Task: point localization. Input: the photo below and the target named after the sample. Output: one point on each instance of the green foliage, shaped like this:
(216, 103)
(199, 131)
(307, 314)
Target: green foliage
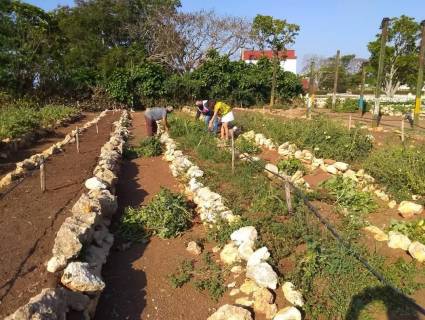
(414, 230)
(349, 197)
(20, 118)
(400, 170)
(182, 275)
(167, 215)
(246, 146)
(290, 166)
(327, 138)
(148, 147)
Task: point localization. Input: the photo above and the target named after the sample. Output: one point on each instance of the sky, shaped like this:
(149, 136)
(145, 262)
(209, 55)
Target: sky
(326, 25)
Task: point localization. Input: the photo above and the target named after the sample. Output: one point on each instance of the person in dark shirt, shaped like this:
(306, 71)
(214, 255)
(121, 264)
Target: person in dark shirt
(152, 115)
(202, 107)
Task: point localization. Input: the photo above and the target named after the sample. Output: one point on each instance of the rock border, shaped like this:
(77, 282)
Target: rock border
(83, 241)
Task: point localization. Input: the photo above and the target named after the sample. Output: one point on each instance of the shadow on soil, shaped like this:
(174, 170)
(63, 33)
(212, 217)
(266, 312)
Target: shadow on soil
(124, 296)
(397, 306)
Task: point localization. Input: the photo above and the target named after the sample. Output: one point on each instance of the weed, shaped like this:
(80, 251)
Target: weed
(415, 230)
(183, 274)
(167, 215)
(290, 166)
(246, 146)
(131, 226)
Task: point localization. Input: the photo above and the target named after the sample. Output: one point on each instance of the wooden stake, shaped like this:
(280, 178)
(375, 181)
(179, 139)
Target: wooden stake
(402, 130)
(288, 197)
(77, 139)
(97, 129)
(233, 152)
(42, 176)
(349, 122)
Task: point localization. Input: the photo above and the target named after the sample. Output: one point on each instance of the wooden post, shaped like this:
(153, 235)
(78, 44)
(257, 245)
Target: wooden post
(288, 197)
(233, 152)
(349, 122)
(42, 176)
(97, 129)
(402, 130)
(77, 139)
(420, 82)
(335, 80)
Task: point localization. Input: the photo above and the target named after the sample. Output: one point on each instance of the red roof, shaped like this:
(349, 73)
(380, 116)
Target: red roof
(257, 54)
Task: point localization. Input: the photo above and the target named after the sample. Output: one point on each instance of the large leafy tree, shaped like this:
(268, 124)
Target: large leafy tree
(276, 35)
(401, 54)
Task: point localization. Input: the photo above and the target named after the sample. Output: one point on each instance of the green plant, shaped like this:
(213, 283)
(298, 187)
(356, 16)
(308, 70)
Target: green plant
(290, 166)
(245, 145)
(348, 105)
(348, 196)
(182, 275)
(400, 170)
(167, 215)
(415, 230)
(148, 147)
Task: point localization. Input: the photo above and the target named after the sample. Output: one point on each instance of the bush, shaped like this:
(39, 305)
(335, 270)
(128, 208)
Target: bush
(349, 105)
(401, 170)
(167, 215)
(290, 166)
(247, 146)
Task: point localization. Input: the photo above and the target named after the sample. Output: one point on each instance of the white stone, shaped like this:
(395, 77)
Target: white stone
(298, 154)
(263, 274)
(229, 312)
(95, 184)
(229, 254)
(331, 169)
(398, 241)
(417, 251)
(246, 249)
(244, 234)
(379, 235)
(194, 248)
(288, 313)
(292, 295)
(78, 276)
(271, 167)
(259, 256)
(392, 204)
(408, 209)
(350, 174)
(56, 263)
(341, 166)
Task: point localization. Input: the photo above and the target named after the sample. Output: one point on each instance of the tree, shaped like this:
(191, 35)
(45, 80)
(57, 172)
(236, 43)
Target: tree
(401, 54)
(277, 35)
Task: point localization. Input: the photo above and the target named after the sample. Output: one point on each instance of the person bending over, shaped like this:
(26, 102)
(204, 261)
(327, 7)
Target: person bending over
(224, 112)
(152, 115)
(203, 108)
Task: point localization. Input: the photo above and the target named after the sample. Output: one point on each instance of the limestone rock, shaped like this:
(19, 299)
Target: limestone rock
(234, 292)
(271, 167)
(229, 312)
(51, 304)
(94, 183)
(244, 301)
(263, 274)
(398, 241)
(350, 174)
(392, 204)
(108, 202)
(379, 235)
(56, 263)
(229, 254)
(417, 251)
(331, 169)
(263, 298)
(341, 166)
(249, 286)
(259, 256)
(408, 209)
(246, 250)
(292, 295)
(244, 234)
(194, 248)
(288, 313)
(78, 276)
(236, 269)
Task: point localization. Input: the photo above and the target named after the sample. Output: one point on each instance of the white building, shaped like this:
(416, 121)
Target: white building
(288, 59)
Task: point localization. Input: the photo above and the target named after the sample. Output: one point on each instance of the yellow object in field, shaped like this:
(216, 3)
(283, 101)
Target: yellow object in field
(418, 105)
(222, 108)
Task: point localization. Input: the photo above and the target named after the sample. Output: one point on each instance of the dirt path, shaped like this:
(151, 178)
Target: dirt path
(30, 219)
(43, 143)
(136, 279)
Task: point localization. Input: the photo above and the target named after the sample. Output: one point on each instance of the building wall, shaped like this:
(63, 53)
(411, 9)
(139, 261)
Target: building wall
(287, 65)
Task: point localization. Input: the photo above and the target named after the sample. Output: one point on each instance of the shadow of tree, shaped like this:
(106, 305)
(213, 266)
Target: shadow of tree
(398, 307)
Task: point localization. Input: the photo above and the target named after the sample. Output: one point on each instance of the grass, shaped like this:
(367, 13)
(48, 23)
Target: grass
(19, 119)
(401, 170)
(325, 137)
(335, 284)
(167, 216)
(244, 145)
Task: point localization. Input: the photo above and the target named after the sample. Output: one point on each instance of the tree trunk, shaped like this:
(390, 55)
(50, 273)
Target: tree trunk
(272, 95)
(391, 87)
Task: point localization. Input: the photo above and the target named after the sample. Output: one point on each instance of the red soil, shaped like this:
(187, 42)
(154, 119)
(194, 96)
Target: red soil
(30, 219)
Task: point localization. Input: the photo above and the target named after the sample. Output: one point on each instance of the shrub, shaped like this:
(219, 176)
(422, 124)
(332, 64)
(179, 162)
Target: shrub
(182, 275)
(401, 170)
(348, 196)
(290, 166)
(247, 146)
(349, 105)
(167, 215)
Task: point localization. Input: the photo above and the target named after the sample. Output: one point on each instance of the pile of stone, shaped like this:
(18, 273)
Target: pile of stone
(256, 292)
(83, 241)
(33, 162)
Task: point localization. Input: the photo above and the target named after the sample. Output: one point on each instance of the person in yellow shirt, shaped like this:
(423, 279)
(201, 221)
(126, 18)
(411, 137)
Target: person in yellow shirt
(224, 112)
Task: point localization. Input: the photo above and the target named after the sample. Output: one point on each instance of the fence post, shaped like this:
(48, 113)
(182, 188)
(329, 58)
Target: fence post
(288, 197)
(42, 175)
(349, 122)
(402, 129)
(233, 151)
(77, 139)
(335, 80)
(97, 129)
